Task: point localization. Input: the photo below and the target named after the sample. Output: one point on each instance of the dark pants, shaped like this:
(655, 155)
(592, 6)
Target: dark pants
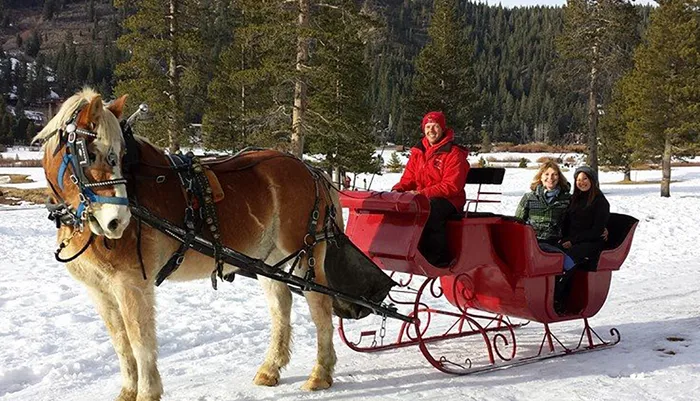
(585, 256)
(433, 241)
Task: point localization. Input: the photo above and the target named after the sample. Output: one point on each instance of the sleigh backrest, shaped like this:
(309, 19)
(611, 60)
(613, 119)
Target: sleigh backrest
(485, 176)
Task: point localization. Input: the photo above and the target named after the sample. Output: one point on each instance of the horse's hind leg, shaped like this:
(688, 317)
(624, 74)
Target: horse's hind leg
(321, 308)
(109, 310)
(136, 302)
(279, 302)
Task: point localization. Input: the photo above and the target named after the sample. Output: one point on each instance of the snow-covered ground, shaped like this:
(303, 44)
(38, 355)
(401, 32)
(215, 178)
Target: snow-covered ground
(22, 153)
(53, 345)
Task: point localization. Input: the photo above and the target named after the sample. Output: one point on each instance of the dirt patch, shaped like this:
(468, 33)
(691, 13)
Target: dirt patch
(17, 179)
(656, 182)
(14, 196)
(4, 162)
(537, 147)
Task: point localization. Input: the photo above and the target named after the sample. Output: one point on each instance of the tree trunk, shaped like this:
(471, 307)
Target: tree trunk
(173, 81)
(666, 168)
(299, 110)
(593, 114)
(243, 65)
(628, 173)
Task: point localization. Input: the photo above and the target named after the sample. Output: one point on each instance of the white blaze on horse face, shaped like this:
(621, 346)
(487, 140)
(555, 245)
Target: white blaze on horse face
(111, 220)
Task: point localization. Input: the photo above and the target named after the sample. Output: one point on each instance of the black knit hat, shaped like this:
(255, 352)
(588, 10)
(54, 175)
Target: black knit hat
(589, 172)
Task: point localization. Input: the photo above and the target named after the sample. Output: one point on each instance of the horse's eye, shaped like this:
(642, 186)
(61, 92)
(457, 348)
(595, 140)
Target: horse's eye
(92, 157)
(112, 159)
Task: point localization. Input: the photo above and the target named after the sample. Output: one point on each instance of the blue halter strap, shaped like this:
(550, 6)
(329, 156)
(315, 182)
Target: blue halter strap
(70, 159)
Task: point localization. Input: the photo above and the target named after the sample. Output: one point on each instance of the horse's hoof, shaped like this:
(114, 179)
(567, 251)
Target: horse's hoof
(266, 379)
(148, 398)
(317, 383)
(126, 395)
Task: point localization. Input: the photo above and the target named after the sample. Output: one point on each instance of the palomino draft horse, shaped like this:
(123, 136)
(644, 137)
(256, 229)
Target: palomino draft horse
(267, 200)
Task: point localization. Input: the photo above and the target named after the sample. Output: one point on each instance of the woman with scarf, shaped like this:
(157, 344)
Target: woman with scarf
(544, 206)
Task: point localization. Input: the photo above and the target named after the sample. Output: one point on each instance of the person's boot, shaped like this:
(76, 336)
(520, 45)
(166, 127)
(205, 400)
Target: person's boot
(562, 288)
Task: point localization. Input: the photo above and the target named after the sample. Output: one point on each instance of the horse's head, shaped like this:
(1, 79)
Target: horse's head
(83, 149)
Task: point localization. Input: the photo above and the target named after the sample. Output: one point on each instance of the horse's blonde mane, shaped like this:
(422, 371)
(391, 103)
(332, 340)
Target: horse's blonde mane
(108, 130)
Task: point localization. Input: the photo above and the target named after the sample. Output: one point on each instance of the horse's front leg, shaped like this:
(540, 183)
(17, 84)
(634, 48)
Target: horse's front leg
(321, 308)
(136, 302)
(279, 302)
(108, 308)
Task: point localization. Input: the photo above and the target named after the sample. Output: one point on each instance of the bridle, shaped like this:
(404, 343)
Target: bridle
(75, 160)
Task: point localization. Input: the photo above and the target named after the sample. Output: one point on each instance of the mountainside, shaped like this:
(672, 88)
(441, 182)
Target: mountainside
(514, 59)
(88, 22)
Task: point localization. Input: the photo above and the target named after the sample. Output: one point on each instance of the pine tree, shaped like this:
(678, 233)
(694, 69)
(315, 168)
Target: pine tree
(486, 146)
(595, 45)
(33, 44)
(255, 93)
(50, 8)
(5, 123)
(663, 91)
(250, 96)
(91, 10)
(37, 85)
(338, 115)
(616, 148)
(444, 76)
(394, 165)
(165, 64)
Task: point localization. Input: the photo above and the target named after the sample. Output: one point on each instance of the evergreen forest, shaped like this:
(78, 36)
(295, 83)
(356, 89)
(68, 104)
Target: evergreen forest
(338, 77)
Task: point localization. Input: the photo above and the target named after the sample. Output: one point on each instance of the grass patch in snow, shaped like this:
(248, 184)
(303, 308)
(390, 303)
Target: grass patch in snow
(15, 196)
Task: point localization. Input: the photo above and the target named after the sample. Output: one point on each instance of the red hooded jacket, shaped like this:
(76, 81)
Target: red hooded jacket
(438, 171)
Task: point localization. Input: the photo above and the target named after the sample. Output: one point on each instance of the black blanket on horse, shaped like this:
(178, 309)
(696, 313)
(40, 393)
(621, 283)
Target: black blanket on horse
(350, 271)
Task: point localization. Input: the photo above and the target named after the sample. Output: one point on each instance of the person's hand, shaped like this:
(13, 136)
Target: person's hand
(414, 192)
(605, 234)
(566, 245)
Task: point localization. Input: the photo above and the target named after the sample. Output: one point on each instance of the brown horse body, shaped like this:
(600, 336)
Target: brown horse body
(268, 199)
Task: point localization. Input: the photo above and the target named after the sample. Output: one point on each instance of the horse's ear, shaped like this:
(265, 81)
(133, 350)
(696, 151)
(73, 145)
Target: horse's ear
(88, 115)
(117, 106)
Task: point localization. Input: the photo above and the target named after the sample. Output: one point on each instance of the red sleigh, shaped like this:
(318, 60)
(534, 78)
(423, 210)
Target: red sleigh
(500, 281)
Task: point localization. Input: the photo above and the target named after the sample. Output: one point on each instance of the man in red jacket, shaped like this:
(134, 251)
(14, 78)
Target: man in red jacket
(437, 168)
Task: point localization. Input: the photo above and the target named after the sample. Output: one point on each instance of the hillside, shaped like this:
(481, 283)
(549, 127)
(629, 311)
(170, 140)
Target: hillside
(73, 19)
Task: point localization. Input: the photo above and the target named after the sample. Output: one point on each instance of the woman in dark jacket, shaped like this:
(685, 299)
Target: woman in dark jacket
(583, 226)
(585, 220)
